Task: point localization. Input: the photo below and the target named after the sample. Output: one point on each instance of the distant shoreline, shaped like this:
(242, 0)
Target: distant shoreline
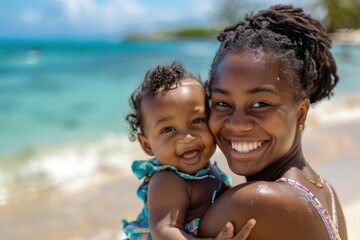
(346, 36)
(186, 33)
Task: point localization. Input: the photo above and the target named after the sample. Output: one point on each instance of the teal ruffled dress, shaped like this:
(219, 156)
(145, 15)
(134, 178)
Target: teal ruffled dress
(139, 229)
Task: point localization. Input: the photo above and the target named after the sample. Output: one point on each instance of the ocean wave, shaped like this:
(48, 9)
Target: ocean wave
(68, 167)
(73, 166)
(341, 109)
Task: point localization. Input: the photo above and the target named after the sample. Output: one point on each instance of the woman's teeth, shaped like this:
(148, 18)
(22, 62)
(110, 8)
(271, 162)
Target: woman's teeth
(245, 147)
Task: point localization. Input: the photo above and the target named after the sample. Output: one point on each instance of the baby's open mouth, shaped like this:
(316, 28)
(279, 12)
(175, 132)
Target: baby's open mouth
(190, 154)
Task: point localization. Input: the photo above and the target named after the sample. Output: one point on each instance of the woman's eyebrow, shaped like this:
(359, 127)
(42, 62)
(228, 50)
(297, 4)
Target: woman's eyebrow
(249, 91)
(261, 89)
(219, 90)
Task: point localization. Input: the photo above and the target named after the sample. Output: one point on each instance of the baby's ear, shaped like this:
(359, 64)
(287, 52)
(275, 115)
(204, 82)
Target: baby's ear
(145, 144)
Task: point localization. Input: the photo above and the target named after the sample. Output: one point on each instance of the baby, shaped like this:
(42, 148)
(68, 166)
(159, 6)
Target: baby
(169, 119)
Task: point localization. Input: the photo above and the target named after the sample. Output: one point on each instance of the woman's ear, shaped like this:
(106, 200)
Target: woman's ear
(145, 144)
(303, 109)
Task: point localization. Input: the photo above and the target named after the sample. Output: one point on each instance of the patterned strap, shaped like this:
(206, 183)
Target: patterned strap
(331, 227)
(333, 203)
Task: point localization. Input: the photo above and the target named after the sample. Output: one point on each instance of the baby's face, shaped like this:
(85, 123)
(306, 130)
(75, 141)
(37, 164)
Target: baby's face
(175, 127)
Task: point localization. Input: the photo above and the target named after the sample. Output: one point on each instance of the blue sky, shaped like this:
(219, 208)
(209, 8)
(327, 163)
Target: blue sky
(103, 18)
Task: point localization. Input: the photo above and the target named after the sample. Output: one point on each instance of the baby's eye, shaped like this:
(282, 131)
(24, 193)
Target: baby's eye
(197, 121)
(167, 130)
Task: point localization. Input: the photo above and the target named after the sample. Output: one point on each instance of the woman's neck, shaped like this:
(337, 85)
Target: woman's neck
(277, 169)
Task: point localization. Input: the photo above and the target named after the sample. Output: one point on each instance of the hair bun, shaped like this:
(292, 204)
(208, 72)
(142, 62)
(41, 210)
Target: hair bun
(292, 34)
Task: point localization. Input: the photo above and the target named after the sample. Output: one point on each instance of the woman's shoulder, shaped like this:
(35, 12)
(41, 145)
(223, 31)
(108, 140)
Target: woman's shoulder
(265, 193)
(266, 188)
(274, 205)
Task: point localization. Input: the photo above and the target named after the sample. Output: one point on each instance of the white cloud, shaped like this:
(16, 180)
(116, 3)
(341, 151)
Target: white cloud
(115, 15)
(183, 10)
(30, 17)
(109, 14)
(202, 8)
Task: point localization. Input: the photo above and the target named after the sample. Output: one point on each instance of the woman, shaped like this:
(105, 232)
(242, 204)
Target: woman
(267, 72)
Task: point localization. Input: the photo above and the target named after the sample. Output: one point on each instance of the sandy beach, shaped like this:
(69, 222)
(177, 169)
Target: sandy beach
(94, 212)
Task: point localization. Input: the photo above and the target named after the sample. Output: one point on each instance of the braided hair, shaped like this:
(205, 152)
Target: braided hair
(159, 79)
(292, 35)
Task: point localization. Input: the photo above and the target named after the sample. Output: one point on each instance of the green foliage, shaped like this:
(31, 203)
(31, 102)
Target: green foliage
(195, 32)
(181, 33)
(342, 14)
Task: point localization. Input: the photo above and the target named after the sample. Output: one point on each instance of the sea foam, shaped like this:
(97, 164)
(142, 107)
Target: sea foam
(68, 167)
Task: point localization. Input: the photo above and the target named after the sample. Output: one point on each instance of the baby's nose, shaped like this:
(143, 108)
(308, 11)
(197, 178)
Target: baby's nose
(187, 139)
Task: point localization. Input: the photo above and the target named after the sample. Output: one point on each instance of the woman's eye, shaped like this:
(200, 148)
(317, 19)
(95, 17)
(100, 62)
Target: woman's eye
(221, 104)
(259, 105)
(198, 120)
(167, 130)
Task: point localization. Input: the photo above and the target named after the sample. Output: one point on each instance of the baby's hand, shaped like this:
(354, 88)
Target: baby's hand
(228, 231)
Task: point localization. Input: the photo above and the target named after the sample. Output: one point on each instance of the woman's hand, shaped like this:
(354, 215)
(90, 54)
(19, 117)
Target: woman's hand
(227, 231)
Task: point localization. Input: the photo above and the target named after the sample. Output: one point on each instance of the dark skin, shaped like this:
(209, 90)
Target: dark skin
(255, 118)
(175, 130)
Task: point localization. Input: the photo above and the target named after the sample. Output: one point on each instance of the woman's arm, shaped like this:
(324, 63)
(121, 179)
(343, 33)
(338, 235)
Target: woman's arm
(281, 213)
(222, 211)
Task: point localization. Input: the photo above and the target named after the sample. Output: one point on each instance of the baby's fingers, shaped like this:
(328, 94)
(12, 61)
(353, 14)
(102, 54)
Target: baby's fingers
(226, 232)
(245, 230)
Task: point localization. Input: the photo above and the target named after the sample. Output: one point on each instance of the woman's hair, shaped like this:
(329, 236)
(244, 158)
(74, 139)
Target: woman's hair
(159, 79)
(296, 38)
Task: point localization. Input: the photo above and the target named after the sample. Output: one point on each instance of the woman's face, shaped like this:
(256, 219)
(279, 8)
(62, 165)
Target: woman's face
(253, 115)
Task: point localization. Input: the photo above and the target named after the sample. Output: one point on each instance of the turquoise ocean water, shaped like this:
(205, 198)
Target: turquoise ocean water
(57, 91)
(54, 92)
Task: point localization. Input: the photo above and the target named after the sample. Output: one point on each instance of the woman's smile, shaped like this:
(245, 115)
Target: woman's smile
(246, 147)
(245, 151)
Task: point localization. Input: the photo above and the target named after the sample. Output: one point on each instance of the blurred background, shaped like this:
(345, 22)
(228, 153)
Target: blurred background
(67, 69)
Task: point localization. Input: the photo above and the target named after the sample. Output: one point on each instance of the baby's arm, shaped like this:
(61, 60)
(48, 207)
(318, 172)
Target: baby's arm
(168, 202)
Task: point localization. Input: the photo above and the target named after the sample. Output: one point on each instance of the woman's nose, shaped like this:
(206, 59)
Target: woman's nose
(239, 121)
(188, 138)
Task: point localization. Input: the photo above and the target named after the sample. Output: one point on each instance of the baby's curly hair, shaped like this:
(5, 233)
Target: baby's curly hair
(159, 79)
(293, 36)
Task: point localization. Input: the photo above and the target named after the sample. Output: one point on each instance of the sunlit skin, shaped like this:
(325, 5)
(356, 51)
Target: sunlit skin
(175, 128)
(254, 118)
(255, 122)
